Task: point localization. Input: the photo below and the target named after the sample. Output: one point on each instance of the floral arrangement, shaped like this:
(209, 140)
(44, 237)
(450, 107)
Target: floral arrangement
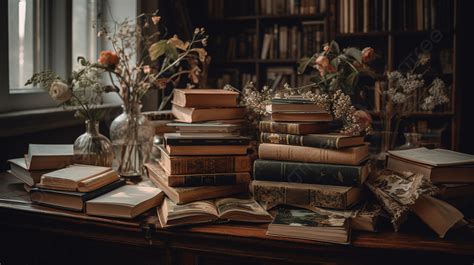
(336, 79)
(141, 58)
(406, 91)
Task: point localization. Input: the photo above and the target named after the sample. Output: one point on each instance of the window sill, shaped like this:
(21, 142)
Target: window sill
(30, 121)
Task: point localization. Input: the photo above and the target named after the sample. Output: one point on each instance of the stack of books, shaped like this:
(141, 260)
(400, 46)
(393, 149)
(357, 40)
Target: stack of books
(40, 159)
(207, 158)
(302, 164)
(452, 172)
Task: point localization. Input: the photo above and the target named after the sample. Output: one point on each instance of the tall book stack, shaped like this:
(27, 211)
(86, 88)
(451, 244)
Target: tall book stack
(302, 164)
(207, 157)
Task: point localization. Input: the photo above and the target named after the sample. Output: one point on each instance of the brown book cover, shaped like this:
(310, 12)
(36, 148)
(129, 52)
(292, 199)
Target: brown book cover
(190, 150)
(199, 98)
(49, 156)
(189, 194)
(185, 114)
(293, 127)
(270, 194)
(347, 156)
(326, 141)
(302, 116)
(178, 165)
(218, 179)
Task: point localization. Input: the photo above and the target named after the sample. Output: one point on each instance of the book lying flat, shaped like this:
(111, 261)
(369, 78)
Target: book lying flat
(347, 156)
(302, 116)
(49, 156)
(326, 141)
(127, 201)
(434, 157)
(182, 195)
(436, 174)
(192, 150)
(205, 98)
(70, 200)
(20, 170)
(294, 107)
(216, 179)
(311, 173)
(182, 140)
(233, 209)
(294, 127)
(81, 178)
(183, 114)
(179, 165)
(305, 224)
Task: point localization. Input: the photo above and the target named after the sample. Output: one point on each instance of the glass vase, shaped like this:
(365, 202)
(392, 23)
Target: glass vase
(412, 140)
(132, 139)
(93, 148)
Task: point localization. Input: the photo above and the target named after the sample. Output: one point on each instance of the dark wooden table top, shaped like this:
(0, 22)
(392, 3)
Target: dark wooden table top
(243, 239)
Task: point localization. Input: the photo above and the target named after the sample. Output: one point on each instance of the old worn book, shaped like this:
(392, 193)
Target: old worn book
(20, 170)
(182, 195)
(127, 201)
(81, 178)
(70, 200)
(434, 157)
(49, 156)
(294, 128)
(326, 141)
(437, 214)
(451, 191)
(301, 116)
(311, 173)
(232, 209)
(205, 127)
(199, 98)
(216, 179)
(437, 174)
(305, 224)
(179, 165)
(348, 156)
(190, 150)
(294, 105)
(271, 193)
(185, 114)
(183, 140)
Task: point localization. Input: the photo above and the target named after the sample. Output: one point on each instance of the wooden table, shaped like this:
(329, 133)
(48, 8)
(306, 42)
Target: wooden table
(33, 234)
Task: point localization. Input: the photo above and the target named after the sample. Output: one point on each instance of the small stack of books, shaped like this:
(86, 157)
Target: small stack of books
(207, 158)
(40, 159)
(452, 172)
(302, 164)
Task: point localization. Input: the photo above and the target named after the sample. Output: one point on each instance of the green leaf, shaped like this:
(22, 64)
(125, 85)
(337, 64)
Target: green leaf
(334, 47)
(351, 80)
(316, 79)
(171, 52)
(305, 63)
(83, 61)
(353, 53)
(157, 49)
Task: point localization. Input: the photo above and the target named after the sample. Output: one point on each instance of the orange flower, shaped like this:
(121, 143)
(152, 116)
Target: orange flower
(368, 54)
(363, 118)
(108, 59)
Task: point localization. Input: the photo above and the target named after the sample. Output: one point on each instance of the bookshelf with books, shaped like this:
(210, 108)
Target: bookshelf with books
(282, 32)
(399, 31)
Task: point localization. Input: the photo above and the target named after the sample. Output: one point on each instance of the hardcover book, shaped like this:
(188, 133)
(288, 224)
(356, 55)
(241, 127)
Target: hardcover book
(302, 116)
(270, 194)
(83, 178)
(293, 128)
(182, 195)
(348, 156)
(49, 156)
(179, 165)
(127, 201)
(311, 173)
(326, 141)
(193, 150)
(20, 170)
(305, 224)
(182, 140)
(218, 179)
(70, 200)
(233, 209)
(293, 105)
(199, 98)
(185, 114)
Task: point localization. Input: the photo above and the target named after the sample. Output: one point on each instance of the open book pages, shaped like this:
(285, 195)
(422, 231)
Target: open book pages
(81, 178)
(305, 224)
(235, 209)
(434, 157)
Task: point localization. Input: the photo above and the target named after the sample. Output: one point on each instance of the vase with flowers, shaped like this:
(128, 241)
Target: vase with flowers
(142, 58)
(83, 92)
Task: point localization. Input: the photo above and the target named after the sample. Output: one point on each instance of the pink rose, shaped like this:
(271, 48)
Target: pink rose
(368, 54)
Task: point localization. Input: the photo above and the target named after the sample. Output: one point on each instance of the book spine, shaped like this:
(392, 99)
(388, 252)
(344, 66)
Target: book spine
(310, 173)
(269, 194)
(209, 165)
(186, 142)
(309, 154)
(208, 179)
(301, 140)
(275, 127)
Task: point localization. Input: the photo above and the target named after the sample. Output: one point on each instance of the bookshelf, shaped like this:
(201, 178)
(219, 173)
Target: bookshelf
(403, 29)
